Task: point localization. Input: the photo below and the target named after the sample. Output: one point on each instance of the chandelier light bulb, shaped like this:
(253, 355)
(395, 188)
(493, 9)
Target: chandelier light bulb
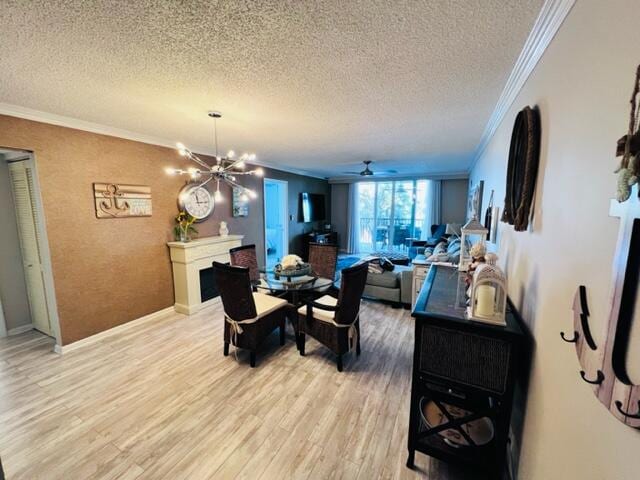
(259, 172)
(251, 193)
(231, 154)
(182, 150)
(252, 157)
(244, 197)
(170, 171)
(217, 196)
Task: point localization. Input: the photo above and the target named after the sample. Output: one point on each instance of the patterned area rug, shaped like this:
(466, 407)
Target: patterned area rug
(345, 262)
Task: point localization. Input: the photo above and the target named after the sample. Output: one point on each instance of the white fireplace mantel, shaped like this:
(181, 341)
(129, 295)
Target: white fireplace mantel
(188, 258)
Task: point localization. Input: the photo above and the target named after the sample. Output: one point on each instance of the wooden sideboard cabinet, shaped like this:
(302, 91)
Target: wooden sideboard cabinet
(464, 373)
(420, 270)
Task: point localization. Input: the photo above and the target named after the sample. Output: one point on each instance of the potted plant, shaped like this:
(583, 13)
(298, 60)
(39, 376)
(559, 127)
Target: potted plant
(184, 227)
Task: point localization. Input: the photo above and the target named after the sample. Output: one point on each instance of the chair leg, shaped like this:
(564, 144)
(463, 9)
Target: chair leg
(252, 359)
(358, 342)
(301, 341)
(339, 363)
(225, 351)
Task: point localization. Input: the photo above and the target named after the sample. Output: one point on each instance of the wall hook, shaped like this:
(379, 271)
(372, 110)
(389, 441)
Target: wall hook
(599, 378)
(576, 335)
(628, 415)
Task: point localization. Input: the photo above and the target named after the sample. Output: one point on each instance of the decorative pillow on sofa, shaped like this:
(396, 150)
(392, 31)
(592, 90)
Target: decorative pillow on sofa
(441, 247)
(438, 257)
(380, 265)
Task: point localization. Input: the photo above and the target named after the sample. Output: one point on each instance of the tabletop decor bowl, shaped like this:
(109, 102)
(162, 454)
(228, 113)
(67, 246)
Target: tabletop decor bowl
(297, 271)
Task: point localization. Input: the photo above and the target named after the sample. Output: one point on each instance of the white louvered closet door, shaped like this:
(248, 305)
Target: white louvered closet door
(30, 236)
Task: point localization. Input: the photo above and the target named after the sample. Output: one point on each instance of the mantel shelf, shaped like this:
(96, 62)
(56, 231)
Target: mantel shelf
(198, 242)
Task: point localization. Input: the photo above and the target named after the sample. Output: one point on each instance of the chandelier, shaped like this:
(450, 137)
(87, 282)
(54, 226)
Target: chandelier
(226, 169)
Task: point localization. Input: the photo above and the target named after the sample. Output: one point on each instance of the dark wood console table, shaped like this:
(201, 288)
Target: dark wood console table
(465, 372)
(317, 237)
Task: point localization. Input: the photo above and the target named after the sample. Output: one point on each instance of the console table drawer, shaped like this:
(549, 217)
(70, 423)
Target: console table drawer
(466, 358)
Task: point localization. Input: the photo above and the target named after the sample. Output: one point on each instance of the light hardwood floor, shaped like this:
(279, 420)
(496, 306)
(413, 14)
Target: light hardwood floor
(161, 401)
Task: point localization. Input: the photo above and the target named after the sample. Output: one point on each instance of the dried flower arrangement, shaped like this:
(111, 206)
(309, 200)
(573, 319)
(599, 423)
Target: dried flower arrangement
(629, 147)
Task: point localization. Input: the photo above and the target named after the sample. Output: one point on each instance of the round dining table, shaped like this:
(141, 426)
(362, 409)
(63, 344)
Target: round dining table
(280, 285)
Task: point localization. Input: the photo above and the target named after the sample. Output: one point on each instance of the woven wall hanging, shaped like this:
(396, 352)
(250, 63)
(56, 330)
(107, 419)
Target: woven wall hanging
(522, 170)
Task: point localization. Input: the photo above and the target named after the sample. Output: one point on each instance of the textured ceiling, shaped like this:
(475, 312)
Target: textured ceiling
(313, 85)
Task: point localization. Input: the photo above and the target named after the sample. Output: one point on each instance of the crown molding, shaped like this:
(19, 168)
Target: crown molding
(75, 123)
(547, 24)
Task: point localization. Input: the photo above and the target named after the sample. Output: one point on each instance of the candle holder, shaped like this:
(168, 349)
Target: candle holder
(488, 295)
(473, 230)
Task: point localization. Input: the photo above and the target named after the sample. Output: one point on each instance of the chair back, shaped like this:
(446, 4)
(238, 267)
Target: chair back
(351, 289)
(245, 256)
(234, 286)
(323, 258)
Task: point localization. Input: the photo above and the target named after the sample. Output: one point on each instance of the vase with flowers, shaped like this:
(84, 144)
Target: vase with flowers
(184, 228)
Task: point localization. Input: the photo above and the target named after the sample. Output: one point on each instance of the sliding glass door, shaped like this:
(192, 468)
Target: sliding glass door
(391, 213)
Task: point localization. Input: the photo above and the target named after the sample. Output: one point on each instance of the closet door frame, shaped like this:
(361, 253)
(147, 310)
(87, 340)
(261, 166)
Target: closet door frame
(45, 253)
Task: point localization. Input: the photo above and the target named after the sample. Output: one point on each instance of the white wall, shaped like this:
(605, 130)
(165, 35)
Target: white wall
(13, 290)
(582, 86)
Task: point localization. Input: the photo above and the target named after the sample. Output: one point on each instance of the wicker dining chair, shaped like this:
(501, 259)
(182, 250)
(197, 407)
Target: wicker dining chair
(335, 322)
(245, 256)
(249, 317)
(323, 258)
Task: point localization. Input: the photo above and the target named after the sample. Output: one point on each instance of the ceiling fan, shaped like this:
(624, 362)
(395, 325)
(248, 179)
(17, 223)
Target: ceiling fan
(367, 172)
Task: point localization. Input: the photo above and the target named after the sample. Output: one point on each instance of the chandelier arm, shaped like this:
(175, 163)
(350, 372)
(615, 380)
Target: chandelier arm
(233, 164)
(193, 157)
(205, 182)
(236, 185)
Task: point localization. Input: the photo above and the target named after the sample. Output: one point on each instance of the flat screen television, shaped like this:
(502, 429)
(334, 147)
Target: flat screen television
(312, 207)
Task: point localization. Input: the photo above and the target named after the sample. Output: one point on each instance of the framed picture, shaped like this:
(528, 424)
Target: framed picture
(240, 204)
(474, 201)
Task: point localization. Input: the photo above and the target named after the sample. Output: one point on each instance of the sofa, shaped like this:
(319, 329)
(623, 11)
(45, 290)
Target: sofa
(391, 286)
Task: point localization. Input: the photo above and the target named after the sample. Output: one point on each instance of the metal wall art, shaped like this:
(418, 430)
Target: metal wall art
(113, 200)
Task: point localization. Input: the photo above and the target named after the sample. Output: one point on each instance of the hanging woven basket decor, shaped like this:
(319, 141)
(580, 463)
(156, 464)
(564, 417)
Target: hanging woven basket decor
(522, 170)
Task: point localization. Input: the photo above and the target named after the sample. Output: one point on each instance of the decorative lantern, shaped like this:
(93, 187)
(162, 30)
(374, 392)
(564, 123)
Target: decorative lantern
(473, 232)
(488, 295)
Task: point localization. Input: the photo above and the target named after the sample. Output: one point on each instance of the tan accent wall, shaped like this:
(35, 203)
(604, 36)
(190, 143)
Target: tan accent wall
(110, 271)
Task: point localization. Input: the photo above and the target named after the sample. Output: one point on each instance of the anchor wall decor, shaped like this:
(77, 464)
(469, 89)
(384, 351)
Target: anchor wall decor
(117, 201)
(604, 365)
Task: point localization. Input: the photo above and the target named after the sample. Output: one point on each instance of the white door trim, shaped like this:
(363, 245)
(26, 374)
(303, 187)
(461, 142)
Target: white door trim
(3, 325)
(45, 253)
(47, 269)
(285, 214)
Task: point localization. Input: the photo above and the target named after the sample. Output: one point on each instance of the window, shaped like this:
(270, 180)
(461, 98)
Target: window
(391, 212)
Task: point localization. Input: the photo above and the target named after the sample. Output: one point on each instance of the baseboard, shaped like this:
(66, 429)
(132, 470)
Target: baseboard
(20, 329)
(192, 309)
(61, 349)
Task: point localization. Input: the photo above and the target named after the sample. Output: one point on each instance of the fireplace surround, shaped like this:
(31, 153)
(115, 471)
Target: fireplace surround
(188, 259)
